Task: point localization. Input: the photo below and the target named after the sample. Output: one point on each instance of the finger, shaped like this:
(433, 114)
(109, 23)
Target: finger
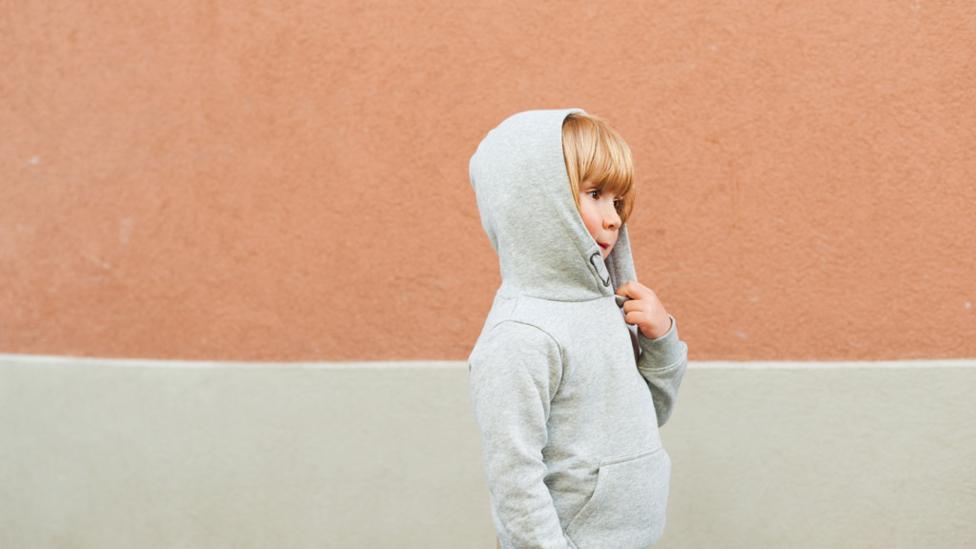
(622, 289)
(633, 305)
(642, 289)
(630, 289)
(635, 317)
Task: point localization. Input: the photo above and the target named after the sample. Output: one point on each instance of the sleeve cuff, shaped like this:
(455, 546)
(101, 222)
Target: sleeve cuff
(664, 350)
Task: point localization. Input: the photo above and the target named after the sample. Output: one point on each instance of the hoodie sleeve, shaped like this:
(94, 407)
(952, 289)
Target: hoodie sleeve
(663, 362)
(514, 374)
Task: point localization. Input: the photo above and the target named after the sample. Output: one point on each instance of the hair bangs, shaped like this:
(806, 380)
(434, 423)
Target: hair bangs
(595, 153)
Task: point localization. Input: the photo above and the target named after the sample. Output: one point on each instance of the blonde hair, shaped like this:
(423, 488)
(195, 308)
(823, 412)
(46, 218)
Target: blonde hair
(595, 153)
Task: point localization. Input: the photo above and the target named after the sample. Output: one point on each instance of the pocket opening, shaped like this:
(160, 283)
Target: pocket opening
(628, 502)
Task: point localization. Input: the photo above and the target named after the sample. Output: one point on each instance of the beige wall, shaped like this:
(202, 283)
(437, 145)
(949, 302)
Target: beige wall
(111, 454)
(288, 180)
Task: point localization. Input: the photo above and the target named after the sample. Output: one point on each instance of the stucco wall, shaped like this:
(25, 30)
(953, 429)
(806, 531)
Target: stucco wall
(287, 180)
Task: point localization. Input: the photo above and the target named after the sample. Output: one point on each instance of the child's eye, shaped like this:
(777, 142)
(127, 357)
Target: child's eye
(618, 203)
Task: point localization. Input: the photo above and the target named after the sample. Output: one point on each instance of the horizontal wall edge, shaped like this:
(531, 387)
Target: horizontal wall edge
(27, 359)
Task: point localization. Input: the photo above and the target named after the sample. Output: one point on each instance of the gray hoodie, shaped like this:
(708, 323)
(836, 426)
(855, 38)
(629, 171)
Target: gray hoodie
(567, 396)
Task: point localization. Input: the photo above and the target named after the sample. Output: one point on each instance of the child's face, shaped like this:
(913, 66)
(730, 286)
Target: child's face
(599, 212)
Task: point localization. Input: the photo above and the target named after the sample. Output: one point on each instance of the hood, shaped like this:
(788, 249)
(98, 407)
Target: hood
(527, 210)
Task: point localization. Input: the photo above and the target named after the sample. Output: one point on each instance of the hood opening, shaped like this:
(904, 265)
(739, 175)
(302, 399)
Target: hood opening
(526, 206)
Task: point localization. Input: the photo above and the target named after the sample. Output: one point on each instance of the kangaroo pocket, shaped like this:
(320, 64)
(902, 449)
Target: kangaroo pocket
(628, 506)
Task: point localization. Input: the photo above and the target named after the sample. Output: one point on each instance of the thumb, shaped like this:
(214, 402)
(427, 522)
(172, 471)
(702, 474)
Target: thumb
(622, 289)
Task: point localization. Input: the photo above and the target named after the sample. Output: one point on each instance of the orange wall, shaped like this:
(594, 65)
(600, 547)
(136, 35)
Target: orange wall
(288, 180)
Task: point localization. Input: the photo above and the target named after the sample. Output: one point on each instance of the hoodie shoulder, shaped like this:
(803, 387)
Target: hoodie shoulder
(511, 349)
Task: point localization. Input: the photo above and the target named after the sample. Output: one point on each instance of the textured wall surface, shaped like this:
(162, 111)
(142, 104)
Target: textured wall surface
(106, 454)
(288, 180)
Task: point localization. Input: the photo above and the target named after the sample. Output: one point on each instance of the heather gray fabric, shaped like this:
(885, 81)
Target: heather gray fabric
(568, 415)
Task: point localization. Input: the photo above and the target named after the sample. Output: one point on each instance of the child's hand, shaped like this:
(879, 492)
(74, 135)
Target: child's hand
(644, 309)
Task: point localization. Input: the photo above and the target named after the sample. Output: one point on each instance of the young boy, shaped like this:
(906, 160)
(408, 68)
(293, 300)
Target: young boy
(578, 364)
